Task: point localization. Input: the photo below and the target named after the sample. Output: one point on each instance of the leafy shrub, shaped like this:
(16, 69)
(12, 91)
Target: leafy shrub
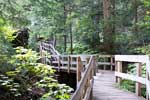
(143, 49)
(6, 49)
(30, 79)
(130, 85)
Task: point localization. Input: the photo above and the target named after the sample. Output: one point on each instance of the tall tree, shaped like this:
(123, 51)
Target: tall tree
(135, 3)
(109, 29)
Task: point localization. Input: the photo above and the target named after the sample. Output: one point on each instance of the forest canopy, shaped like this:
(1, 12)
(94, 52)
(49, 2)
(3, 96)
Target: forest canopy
(99, 26)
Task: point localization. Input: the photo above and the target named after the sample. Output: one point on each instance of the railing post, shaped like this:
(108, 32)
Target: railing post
(111, 63)
(94, 66)
(104, 64)
(59, 63)
(69, 58)
(147, 90)
(93, 72)
(138, 74)
(118, 69)
(79, 67)
(41, 52)
(147, 79)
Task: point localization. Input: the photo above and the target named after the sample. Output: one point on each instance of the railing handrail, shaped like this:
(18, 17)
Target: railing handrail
(132, 58)
(48, 46)
(86, 77)
(139, 60)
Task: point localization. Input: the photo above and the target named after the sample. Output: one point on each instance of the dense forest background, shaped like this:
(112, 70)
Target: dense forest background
(77, 26)
(82, 26)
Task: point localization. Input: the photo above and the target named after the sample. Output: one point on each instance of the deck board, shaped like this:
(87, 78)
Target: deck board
(105, 89)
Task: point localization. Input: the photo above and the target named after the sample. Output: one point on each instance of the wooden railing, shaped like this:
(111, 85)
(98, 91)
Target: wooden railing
(106, 60)
(84, 80)
(103, 60)
(83, 65)
(85, 68)
(68, 62)
(139, 60)
(48, 47)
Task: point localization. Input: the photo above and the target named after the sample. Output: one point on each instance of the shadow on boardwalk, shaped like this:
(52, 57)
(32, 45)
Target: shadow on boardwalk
(104, 88)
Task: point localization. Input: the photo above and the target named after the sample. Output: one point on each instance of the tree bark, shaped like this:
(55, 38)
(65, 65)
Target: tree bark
(109, 29)
(65, 36)
(135, 16)
(71, 39)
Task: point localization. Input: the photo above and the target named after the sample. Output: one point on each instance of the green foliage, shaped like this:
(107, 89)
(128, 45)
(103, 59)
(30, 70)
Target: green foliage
(8, 85)
(130, 85)
(123, 43)
(84, 18)
(79, 48)
(145, 27)
(21, 74)
(31, 78)
(143, 50)
(5, 47)
(132, 70)
(55, 91)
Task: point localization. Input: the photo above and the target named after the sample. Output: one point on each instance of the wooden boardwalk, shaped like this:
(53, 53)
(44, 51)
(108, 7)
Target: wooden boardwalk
(104, 88)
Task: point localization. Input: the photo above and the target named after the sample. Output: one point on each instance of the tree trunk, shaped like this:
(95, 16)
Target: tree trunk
(135, 15)
(65, 36)
(71, 39)
(70, 29)
(109, 29)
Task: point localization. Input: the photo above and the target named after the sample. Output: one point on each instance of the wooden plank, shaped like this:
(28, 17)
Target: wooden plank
(148, 67)
(132, 58)
(112, 64)
(55, 62)
(105, 56)
(79, 67)
(65, 68)
(95, 69)
(131, 77)
(69, 62)
(148, 80)
(77, 61)
(104, 88)
(80, 86)
(138, 74)
(119, 70)
(88, 92)
(105, 63)
(148, 89)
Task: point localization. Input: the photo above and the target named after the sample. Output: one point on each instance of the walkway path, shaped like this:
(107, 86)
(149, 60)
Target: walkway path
(104, 88)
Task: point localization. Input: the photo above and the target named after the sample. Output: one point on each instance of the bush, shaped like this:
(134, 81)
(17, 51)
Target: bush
(30, 79)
